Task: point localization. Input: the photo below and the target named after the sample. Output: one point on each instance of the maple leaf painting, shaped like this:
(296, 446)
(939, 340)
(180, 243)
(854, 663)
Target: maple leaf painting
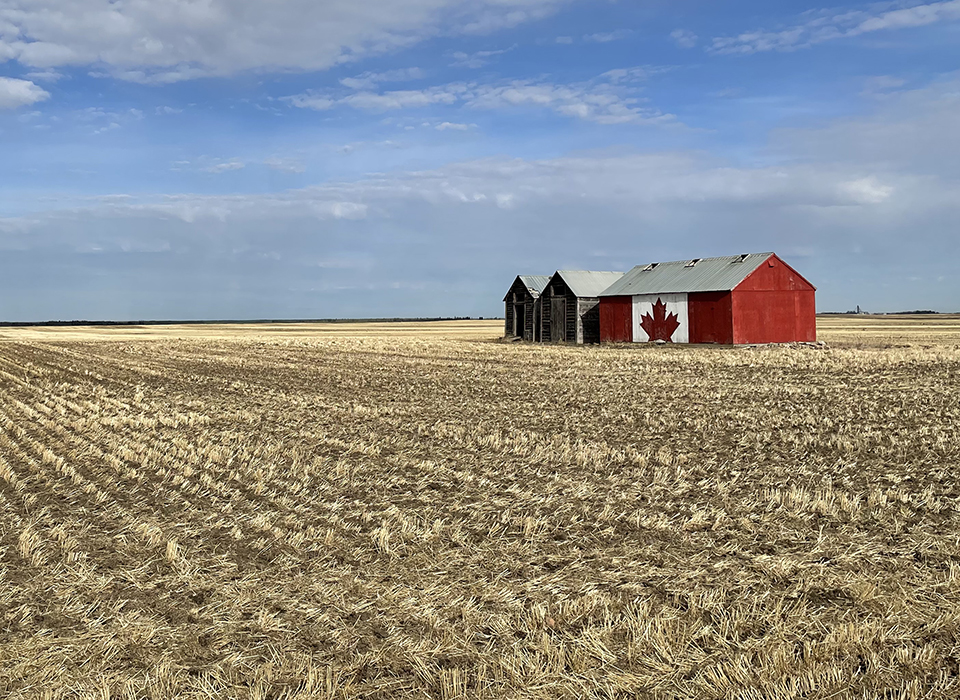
(660, 326)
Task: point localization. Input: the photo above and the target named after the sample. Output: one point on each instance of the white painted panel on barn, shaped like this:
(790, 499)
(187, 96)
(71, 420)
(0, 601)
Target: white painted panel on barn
(661, 317)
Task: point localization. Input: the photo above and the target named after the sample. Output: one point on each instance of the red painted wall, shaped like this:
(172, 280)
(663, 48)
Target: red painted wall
(711, 317)
(774, 304)
(616, 319)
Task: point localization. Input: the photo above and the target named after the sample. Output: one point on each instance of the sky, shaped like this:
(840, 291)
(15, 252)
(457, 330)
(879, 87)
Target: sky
(241, 159)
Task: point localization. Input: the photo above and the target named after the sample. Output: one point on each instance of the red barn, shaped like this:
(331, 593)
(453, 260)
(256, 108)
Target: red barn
(754, 298)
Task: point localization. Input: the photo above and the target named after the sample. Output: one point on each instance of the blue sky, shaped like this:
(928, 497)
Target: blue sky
(294, 159)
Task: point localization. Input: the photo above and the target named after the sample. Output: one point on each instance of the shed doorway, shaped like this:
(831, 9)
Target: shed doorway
(558, 318)
(519, 319)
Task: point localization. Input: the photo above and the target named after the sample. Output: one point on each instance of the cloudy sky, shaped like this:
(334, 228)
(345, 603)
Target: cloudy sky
(302, 159)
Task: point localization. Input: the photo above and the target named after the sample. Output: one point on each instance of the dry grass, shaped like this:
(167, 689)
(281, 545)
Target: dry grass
(302, 514)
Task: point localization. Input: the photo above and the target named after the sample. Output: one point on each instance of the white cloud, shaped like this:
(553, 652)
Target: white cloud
(726, 93)
(20, 93)
(477, 59)
(828, 25)
(166, 41)
(49, 76)
(626, 180)
(286, 165)
(93, 113)
(886, 184)
(564, 39)
(405, 99)
(106, 120)
(445, 230)
(452, 126)
(602, 101)
(608, 100)
(866, 190)
(881, 85)
(916, 16)
(912, 130)
(349, 148)
(605, 37)
(312, 100)
(108, 127)
(684, 38)
(634, 74)
(380, 102)
(166, 110)
(492, 15)
(224, 167)
(369, 81)
(353, 211)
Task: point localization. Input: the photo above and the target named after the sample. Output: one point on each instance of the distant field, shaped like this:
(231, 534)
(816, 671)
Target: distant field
(413, 511)
(480, 330)
(886, 331)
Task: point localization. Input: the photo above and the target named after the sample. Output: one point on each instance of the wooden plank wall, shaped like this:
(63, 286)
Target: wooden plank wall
(572, 324)
(588, 320)
(533, 320)
(519, 294)
(546, 308)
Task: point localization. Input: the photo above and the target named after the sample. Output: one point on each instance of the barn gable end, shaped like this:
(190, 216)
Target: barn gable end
(774, 304)
(774, 275)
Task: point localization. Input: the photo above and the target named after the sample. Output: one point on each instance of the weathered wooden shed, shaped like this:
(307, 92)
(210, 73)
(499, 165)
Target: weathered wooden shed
(738, 299)
(570, 305)
(522, 307)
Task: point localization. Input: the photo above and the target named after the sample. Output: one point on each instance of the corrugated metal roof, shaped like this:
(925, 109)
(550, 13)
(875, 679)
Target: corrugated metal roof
(588, 283)
(707, 275)
(535, 283)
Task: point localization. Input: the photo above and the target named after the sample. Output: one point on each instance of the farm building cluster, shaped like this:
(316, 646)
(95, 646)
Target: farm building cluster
(732, 300)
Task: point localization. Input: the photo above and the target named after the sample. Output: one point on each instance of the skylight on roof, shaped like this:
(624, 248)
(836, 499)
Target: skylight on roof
(693, 263)
(742, 258)
(649, 267)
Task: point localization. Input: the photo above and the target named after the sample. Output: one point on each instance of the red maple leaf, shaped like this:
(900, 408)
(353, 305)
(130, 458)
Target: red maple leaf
(660, 326)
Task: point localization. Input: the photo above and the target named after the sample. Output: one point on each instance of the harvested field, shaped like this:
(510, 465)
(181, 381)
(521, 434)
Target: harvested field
(258, 512)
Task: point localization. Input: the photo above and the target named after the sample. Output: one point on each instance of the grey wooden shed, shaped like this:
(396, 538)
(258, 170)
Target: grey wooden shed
(522, 307)
(570, 305)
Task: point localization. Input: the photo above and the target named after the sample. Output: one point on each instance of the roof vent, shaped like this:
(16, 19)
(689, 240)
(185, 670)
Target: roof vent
(742, 258)
(693, 263)
(649, 267)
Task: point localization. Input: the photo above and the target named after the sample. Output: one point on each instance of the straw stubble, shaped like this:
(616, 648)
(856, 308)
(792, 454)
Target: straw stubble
(405, 517)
